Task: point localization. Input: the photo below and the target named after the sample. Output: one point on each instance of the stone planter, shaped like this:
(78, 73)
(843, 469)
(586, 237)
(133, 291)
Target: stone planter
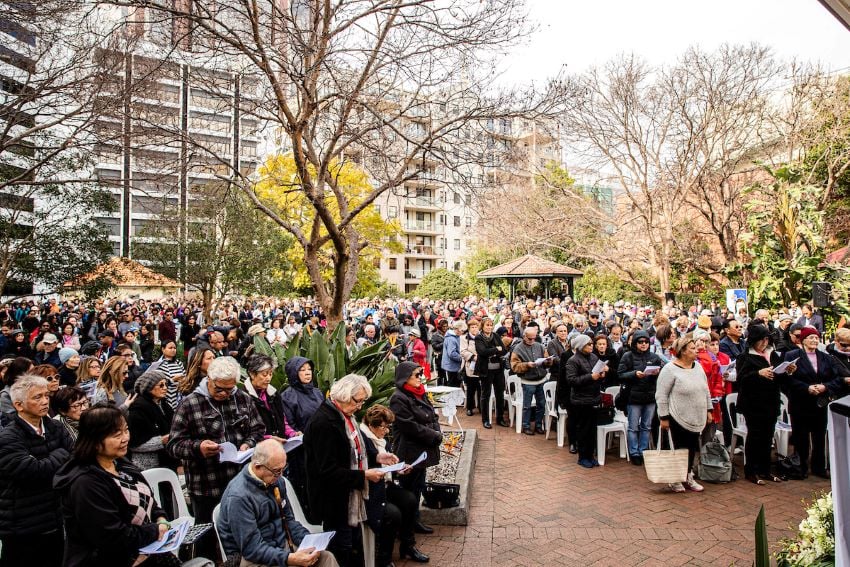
(458, 516)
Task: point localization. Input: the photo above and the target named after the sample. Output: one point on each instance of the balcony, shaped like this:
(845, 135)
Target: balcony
(422, 203)
(428, 178)
(415, 274)
(423, 251)
(421, 226)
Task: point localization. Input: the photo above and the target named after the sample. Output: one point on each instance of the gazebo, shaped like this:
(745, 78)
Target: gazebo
(530, 267)
(130, 278)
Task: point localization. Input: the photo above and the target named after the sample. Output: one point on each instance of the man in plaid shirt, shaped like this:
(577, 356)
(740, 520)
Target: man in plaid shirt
(214, 413)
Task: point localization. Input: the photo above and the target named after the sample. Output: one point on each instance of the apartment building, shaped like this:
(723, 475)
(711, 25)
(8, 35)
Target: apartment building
(182, 126)
(16, 202)
(438, 208)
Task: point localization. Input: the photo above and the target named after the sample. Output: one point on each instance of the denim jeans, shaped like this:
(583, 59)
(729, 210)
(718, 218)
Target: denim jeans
(529, 390)
(640, 423)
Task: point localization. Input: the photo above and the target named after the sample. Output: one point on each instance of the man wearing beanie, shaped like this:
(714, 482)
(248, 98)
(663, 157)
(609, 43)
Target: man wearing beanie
(585, 396)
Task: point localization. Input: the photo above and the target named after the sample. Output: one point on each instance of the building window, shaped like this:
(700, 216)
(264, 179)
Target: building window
(442, 196)
(378, 209)
(468, 221)
(457, 243)
(393, 263)
(457, 266)
(457, 198)
(443, 220)
(457, 221)
(392, 212)
(444, 244)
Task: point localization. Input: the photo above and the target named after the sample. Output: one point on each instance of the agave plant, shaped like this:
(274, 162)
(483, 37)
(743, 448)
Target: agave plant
(327, 351)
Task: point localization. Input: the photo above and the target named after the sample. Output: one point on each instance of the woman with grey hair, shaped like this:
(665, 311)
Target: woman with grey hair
(260, 368)
(337, 469)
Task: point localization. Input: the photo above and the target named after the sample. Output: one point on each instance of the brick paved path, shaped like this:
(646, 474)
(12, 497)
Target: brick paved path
(533, 505)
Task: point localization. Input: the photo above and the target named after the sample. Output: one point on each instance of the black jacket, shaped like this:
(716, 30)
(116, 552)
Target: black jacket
(585, 391)
(758, 397)
(28, 463)
(641, 390)
(800, 402)
(98, 527)
(300, 401)
(843, 369)
(272, 416)
(416, 427)
(147, 419)
(330, 478)
(377, 502)
(488, 350)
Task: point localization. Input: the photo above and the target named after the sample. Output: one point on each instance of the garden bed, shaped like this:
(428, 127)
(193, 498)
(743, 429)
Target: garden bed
(457, 462)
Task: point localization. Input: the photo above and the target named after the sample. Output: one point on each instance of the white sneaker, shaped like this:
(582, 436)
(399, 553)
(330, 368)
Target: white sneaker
(676, 487)
(693, 485)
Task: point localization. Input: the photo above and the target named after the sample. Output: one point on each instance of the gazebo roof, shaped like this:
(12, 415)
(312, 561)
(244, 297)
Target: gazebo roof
(529, 266)
(125, 272)
(840, 256)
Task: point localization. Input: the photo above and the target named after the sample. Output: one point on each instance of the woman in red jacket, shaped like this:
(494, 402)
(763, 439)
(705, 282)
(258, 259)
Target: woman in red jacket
(711, 365)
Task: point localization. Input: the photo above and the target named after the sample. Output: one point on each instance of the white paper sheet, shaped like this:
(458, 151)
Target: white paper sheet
(780, 369)
(172, 540)
(419, 459)
(393, 468)
(600, 366)
(651, 370)
(320, 541)
(230, 454)
(293, 443)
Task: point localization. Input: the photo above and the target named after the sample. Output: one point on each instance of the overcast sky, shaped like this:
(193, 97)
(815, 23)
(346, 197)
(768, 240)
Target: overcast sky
(582, 33)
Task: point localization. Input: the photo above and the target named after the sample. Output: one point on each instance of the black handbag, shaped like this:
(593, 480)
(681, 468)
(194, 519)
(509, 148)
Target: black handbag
(441, 495)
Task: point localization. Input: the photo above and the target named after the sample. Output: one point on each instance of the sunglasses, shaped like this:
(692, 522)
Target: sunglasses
(220, 390)
(642, 342)
(52, 378)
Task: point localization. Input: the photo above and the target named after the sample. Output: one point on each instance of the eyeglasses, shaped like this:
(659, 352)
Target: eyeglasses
(80, 405)
(844, 345)
(359, 402)
(275, 472)
(52, 378)
(219, 390)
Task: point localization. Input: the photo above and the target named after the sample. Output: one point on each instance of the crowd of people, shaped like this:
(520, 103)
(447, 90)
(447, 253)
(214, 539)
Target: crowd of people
(94, 394)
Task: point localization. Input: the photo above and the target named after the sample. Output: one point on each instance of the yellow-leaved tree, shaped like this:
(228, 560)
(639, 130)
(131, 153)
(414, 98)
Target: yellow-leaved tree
(317, 264)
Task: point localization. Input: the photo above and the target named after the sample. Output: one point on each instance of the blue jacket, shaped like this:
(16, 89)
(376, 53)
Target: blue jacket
(300, 401)
(451, 360)
(249, 522)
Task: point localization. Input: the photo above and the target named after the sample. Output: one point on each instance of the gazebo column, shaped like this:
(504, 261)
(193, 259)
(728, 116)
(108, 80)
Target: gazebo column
(489, 288)
(570, 284)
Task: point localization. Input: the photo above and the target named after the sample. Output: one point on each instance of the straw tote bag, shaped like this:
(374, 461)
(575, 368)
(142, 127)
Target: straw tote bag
(666, 467)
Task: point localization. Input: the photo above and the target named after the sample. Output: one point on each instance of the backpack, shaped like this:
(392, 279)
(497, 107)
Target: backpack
(715, 463)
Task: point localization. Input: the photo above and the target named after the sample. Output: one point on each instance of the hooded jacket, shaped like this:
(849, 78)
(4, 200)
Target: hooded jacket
(451, 359)
(416, 427)
(584, 390)
(201, 417)
(28, 462)
(98, 527)
(300, 401)
(641, 390)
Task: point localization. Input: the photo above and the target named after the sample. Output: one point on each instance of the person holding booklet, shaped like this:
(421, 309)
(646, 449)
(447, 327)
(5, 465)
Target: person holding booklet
(759, 385)
(391, 509)
(256, 521)
(215, 413)
(638, 374)
(530, 361)
(108, 507)
(585, 375)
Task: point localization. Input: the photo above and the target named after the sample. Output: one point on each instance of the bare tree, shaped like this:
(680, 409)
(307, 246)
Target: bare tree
(677, 141)
(402, 87)
(50, 85)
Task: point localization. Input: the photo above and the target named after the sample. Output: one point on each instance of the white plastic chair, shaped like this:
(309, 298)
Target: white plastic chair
(739, 425)
(551, 409)
(159, 476)
(514, 392)
(297, 510)
(782, 435)
(616, 428)
(216, 512)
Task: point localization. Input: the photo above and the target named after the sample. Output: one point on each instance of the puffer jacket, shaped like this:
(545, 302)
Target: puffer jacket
(28, 463)
(300, 401)
(641, 390)
(585, 391)
(416, 427)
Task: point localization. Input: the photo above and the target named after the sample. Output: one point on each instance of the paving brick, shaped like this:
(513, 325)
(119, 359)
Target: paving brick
(532, 505)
